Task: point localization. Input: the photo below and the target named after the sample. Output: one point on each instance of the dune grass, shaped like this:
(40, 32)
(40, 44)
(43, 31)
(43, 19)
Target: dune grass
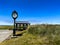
(26, 39)
(37, 35)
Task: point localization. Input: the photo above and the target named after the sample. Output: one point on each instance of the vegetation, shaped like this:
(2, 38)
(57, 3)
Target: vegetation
(51, 32)
(2, 27)
(37, 35)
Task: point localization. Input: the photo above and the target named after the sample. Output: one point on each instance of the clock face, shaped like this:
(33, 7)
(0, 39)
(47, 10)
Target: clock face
(14, 15)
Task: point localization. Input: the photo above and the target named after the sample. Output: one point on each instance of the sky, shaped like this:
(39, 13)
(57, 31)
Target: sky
(34, 11)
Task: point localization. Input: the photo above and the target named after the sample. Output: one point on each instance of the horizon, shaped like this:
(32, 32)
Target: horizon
(34, 11)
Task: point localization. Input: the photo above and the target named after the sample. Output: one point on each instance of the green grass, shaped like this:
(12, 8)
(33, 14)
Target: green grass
(52, 32)
(26, 39)
(8, 27)
(37, 35)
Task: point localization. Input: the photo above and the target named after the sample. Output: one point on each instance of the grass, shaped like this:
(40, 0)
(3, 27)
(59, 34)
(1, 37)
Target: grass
(52, 32)
(2, 27)
(26, 39)
(37, 35)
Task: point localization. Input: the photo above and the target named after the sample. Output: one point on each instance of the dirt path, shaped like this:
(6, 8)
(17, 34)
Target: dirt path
(4, 34)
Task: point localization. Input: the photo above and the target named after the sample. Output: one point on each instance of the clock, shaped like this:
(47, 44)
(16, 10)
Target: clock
(14, 14)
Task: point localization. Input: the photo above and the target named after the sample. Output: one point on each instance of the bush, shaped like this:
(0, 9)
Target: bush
(52, 32)
(44, 29)
(37, 30)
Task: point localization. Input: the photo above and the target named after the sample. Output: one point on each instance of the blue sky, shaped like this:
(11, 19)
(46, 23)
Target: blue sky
(34, 11)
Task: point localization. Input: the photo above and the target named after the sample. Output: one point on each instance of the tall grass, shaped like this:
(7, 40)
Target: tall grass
(52, 32)
(37, 35)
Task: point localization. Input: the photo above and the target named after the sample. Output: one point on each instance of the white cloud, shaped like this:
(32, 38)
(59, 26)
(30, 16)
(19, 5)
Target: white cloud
(41, 22)
(31, 22)
(5, 23)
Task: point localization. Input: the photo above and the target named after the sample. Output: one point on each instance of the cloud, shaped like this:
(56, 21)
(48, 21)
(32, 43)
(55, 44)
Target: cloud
(5, 23)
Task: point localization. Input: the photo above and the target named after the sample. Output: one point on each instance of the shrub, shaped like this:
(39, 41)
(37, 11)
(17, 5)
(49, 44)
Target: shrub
(37, 30)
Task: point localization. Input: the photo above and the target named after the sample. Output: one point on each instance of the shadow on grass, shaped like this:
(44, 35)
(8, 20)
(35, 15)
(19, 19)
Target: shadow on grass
(16, 36)
(19, 34)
